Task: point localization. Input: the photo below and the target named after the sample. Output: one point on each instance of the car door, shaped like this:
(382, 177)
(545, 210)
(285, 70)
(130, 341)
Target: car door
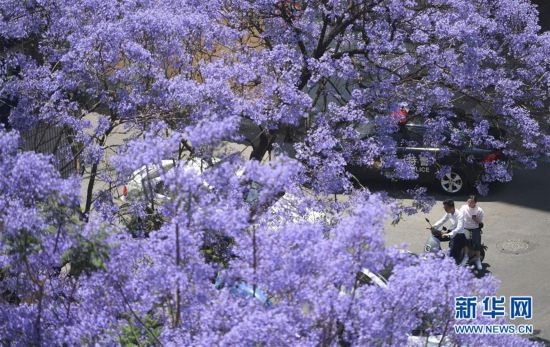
(411, 149)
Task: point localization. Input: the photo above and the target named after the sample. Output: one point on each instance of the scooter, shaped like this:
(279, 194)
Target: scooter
(433, 244)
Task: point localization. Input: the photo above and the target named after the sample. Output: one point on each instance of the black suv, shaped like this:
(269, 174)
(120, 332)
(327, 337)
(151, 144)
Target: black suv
(465, 161)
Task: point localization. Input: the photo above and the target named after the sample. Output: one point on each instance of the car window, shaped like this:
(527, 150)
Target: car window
(413, 136)
(364, 130)
(160, 188)
(410, 136)
(154, 186)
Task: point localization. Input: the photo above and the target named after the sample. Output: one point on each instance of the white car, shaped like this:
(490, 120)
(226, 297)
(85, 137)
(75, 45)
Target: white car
(146, 181)
(366, 277)
(428, 341)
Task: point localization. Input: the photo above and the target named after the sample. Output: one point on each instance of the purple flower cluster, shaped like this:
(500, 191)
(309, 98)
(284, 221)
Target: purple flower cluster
(239, 252)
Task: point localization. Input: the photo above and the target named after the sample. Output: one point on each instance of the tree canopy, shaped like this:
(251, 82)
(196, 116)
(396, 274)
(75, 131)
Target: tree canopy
(180, 79)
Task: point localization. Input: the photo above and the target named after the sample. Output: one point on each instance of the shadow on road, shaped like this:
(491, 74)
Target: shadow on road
(536, 338)
(485, 271)
(528, 188)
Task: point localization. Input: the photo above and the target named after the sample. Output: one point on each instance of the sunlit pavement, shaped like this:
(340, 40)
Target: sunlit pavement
(517, 232)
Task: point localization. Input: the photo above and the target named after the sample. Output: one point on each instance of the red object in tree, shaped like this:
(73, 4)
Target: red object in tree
(491, 157)
(400, 116)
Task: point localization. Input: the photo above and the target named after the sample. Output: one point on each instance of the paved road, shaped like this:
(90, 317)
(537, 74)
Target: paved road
(517, 211)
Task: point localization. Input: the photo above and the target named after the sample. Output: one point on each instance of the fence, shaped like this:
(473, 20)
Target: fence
(52, 140)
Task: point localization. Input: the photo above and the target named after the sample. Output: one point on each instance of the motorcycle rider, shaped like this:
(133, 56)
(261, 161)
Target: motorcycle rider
(473, 222)
(456, 233)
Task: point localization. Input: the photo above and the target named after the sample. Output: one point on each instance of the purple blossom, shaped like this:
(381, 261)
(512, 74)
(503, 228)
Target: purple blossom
(180, 76)
(442, 171)
(496, 171)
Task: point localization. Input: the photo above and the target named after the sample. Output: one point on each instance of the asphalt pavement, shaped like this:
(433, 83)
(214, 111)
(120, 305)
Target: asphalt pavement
(517, 233)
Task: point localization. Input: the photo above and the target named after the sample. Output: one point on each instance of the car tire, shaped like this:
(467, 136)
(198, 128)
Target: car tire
(453, 183)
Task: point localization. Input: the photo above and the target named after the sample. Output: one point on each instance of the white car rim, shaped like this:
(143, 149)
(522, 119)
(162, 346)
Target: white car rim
(452, 182)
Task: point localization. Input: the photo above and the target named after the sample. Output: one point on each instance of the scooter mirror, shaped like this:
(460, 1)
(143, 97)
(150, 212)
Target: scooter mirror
(427, 220)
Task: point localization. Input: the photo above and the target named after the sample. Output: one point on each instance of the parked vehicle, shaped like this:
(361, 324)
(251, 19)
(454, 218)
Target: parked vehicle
(419, 336)
(146, 181)
(465, 162)
(244, 290)
(428, 341)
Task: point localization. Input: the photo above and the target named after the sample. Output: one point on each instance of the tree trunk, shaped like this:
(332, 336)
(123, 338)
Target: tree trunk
(266, 142)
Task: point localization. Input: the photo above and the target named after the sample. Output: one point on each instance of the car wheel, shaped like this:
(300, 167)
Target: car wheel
(453, 183)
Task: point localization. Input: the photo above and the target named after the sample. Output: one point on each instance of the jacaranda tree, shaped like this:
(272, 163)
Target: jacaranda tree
(181, 78)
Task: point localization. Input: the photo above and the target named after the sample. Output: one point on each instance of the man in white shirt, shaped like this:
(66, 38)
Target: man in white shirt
(473, 220)
(458, 240)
